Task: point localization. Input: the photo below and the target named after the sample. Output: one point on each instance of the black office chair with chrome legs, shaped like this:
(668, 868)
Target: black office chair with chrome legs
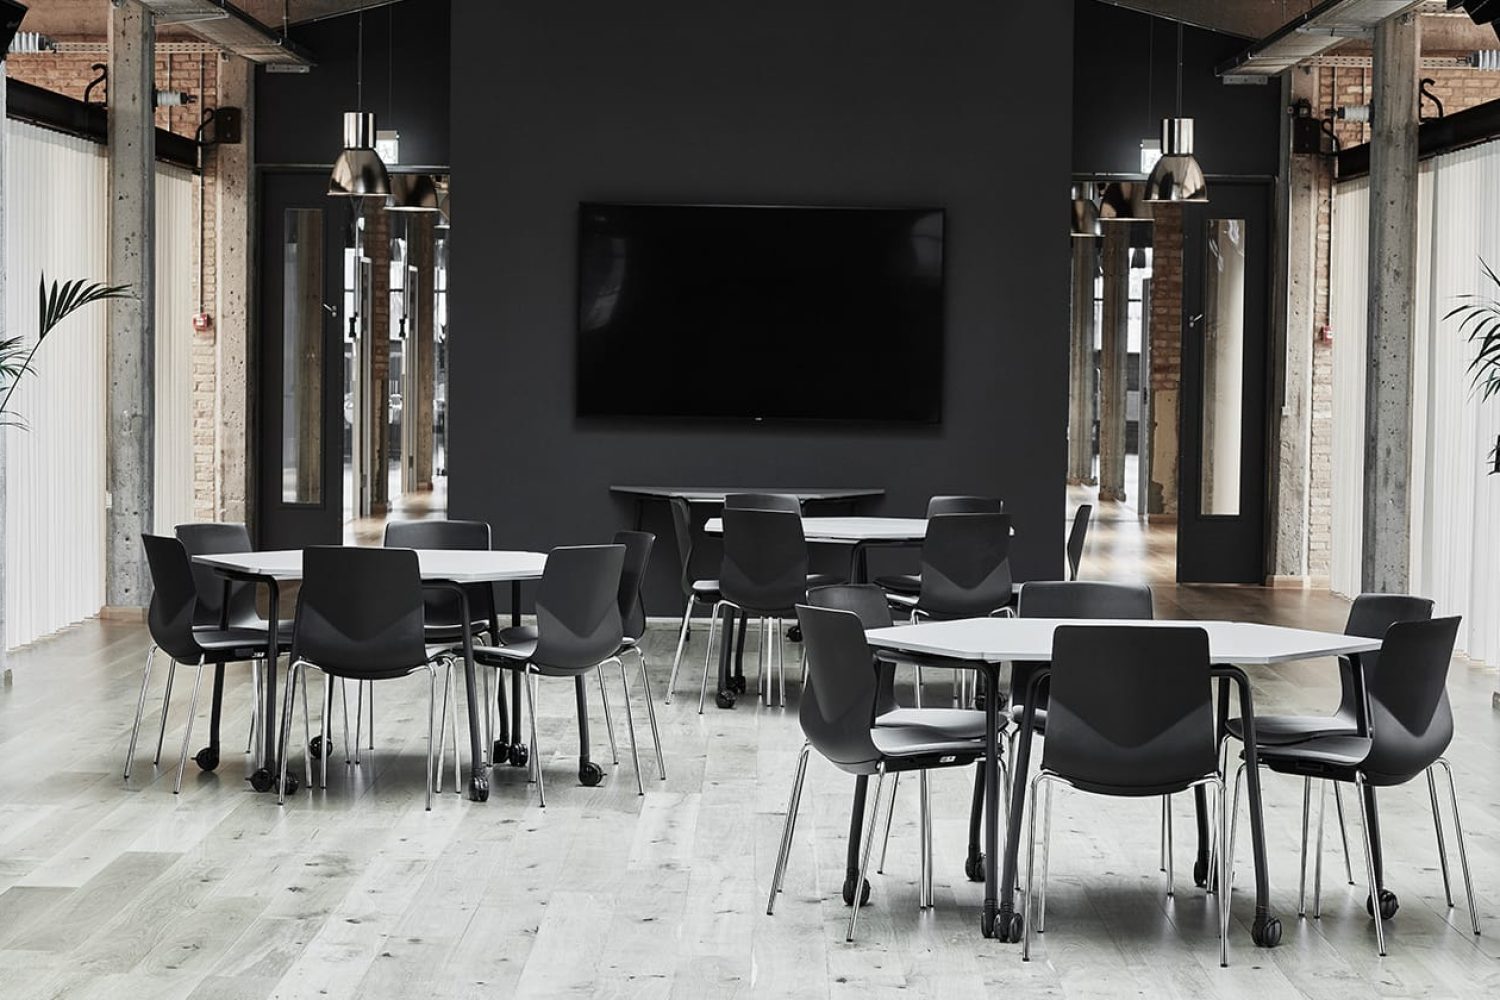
(578, 632)
(1411, 726)
(837, 714)
(360, 617)
(698, 589)
(1370, 615)
(1130, 713)
(170, 619)
(910, 584)
(1076, 537)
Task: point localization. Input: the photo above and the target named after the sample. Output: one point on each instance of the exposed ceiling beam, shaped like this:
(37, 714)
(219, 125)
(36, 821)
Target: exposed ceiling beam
(1319, 30)
(89, 19)
(225, 25)
(1246, 18)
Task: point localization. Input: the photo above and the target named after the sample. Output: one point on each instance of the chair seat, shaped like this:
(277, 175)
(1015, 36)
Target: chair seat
(901, 583)
(1322, 756)
(1281, 730)
(823, 580)
(1038, 720)
(902, 600)
(910, 743)
(452, 632)
(284, 627)
(945, 723)
(237, 643)
(517, 634)
(517, 656)
(706, 590)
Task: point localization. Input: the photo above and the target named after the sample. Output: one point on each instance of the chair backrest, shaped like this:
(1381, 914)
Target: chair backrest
(1132, 708)
(682, 532)
(1370, 615)
(359, 612)
(443, 607)
(1073, 599)
(838, 703)
(867, 602)
(765, 560)
(578, 606)
(763, 501)
(638, 545)
(206, 539)
(1411, 722)
(965, 565)
(964, 505)
(1076, 537)
(174, 598)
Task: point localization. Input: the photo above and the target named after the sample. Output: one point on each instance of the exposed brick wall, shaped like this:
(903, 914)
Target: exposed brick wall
(1166, 356)
(69, 73)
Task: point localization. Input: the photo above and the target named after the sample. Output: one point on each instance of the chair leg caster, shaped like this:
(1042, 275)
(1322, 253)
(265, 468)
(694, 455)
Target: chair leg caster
(974, 867)
(1389, 904)
(520, 755)
(315, 747)
(1266, 932)
(207, 759)
(590, 774)
(736, 684)
(864, 897)
(262, 780)
(725, 699)
(1007, 927)
(1200, 872)
(499, 754)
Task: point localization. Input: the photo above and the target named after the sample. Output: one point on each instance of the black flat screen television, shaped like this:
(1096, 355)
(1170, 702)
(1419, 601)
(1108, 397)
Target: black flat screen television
(760, 313)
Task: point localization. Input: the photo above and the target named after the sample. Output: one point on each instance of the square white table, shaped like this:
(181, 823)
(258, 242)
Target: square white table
(985, 643)
(452, 569)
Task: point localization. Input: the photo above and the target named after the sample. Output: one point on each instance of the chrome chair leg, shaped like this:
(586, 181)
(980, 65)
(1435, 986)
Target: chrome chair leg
(1437, 824)
(372, 713)
(635, 756)
(431, 727)
(140, 708)
(458, 787)
(1027, 901)
(488, 743)
(359, 716)
(442, 742)
(254, 701)
(1166, 824)
(682, 636)
(924, 891)
(787, 828)
(1463, 853)
(1226, 867)
(187, 732)
(1041, 906)
(327, 731)
(344, 703)
(1227, 887)
(780, 634)
(288, 705)
(708, 654)
(609, 720)
(1364, 822)
(1302, 857)
(1338, 806)
(306, 721)
(166, 701)
(1318, 852)
(864, 864)
(536, 761)
(890, 812)
(661, 762)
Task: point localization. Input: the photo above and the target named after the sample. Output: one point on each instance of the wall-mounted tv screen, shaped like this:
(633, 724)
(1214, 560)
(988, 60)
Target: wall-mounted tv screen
(760, 313)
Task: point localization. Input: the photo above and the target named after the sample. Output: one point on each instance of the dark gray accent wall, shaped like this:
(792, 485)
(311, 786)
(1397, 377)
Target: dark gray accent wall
(963, 104)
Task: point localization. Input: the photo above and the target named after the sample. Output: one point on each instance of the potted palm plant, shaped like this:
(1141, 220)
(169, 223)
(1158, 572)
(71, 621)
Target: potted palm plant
(18, 359)
(1479, 317)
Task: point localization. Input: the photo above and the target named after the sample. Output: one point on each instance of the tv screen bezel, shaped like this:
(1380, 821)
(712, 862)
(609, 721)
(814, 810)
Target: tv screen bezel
(870, 420)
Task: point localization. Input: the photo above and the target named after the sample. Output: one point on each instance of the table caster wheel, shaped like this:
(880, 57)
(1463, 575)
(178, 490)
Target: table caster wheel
(1200, 872)
(974, 867)
(479, 788)
(590, 774)
(262, 780)
(794, 634)
(724, 699)
(737, 684)
(499, 754)
(1389, 904)
(1266, 932)
(207, 759)
(864, 897)
(292, 784)
(520, 755)
(315, 747)
(1003, 925)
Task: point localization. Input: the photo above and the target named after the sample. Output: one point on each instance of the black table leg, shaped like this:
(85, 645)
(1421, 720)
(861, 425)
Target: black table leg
(1201, 875)
(207, 758)
(520, 750)
(264, 777)
(1389, 901)
(742, 626)
(856, 831)
(479, 779)
(1266, 930)
(1007, 923)
(726, 695)
(589, 773)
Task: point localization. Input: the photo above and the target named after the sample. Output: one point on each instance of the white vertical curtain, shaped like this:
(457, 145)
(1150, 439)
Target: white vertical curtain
(1455, 502)
(56, 207)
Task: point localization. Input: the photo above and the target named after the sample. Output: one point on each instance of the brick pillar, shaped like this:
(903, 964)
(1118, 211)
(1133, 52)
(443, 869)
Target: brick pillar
(420, 342)
(1166, 358)
(378, 249)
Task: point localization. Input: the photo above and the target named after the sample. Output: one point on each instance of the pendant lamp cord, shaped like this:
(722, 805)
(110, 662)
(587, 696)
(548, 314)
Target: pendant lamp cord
(359, 69)
(1179, 69)
(1150, 73)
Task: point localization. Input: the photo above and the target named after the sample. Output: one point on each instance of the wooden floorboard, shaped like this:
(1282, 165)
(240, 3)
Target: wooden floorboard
(113, 888)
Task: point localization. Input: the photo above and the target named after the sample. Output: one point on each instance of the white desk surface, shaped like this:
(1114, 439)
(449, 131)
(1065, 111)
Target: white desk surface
(996, 640)
(716, 494)
(850, 529)
(455, 565)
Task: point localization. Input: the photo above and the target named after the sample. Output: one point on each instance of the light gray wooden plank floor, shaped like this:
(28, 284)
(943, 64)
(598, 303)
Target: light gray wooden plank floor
(117, 889)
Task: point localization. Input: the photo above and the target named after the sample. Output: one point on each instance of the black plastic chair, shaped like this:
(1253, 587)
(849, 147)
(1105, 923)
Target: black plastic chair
(910, 584)
(837, 714)
(698, 590)
(763, 576)
(1411, 725)
(170, 620)
(965, 568)
(1076, 537)
(578, 631)
(638, 546)
(361, 617)
(1370, 615)
(1130, 714)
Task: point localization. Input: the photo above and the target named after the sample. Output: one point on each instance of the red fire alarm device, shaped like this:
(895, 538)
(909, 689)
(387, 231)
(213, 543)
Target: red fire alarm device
(1325, 334)
(202, 322)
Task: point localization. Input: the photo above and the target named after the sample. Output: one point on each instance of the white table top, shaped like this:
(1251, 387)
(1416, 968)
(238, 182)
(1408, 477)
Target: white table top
(850, 529)
(716, 494)
(995, 640)
(455, 565)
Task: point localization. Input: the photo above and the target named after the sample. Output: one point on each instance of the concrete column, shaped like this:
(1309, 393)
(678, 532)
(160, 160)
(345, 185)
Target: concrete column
(1293, 322)
(1392, 294)
(1081, 364)
(130, 472)
(235, 212)
(420, 342)
(1114, 355)
(4, 432)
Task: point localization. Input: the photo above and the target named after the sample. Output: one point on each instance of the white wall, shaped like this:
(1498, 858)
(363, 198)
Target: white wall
(55, 223)
(1455, 502)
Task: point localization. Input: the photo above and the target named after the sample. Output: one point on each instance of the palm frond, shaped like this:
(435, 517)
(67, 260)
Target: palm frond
(53, 306)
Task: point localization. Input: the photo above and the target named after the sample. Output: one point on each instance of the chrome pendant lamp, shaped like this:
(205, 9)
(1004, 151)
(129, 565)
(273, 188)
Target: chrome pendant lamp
(359, 172)
(1177, 177)
(1085, 212)
(413, 193)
